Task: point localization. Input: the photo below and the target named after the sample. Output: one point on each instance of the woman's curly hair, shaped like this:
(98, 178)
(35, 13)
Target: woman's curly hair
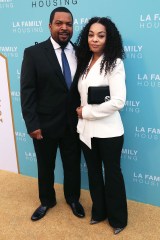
(113, 48)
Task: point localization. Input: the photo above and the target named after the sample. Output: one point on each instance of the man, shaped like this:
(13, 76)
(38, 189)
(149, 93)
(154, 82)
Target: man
(45, 98)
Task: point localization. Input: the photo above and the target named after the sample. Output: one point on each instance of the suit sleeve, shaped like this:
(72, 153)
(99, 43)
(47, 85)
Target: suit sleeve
(117, 93)
(28, 92)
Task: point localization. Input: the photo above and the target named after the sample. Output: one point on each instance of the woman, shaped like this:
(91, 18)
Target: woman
(99, 54)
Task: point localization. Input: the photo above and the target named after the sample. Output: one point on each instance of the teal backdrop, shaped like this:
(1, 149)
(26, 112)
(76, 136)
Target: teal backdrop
(24, 23)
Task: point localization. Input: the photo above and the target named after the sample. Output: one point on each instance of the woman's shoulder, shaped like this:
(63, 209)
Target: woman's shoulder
(119, 64)
(118, 61)
(119, 67)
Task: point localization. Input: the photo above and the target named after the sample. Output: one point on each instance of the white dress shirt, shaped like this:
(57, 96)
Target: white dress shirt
(70, 54)
(102, 120)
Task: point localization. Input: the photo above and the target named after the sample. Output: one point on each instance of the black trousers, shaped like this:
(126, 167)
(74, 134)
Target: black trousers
(46, 150)
(107, 189)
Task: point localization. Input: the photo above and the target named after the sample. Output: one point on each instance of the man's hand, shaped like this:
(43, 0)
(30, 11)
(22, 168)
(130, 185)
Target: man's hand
(79, 112)
(37, 134)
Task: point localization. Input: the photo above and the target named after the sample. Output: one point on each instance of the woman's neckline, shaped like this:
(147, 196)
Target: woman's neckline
(92, 62)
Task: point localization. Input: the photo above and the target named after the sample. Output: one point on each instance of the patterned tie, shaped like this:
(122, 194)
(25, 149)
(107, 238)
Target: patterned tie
(66, 69)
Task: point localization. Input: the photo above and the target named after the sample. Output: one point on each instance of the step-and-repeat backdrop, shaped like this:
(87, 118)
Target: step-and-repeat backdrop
(25, 23)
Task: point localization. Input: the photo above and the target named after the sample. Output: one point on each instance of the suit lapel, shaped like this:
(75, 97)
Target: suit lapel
(51, 55)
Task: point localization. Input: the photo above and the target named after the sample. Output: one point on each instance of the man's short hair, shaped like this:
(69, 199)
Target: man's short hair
(59, 9)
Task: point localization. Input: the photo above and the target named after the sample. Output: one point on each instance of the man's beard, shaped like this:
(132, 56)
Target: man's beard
(63, 44)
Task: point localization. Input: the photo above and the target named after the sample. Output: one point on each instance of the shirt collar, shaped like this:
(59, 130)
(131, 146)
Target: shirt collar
(57, 46)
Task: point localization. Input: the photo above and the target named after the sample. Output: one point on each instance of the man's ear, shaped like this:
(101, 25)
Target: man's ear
(49, 26)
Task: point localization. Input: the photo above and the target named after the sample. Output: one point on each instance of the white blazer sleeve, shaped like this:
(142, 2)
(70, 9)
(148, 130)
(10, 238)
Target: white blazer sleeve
(117, 93)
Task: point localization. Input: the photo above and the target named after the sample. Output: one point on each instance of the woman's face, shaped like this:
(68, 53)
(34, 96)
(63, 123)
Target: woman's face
(97, 38)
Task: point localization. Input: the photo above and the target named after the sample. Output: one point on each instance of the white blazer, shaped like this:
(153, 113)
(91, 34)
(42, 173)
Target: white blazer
(102, 120)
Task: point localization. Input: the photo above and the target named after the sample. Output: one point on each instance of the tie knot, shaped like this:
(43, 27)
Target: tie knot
(63, 47)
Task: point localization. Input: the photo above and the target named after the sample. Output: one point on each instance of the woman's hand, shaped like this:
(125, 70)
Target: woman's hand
(79, 112)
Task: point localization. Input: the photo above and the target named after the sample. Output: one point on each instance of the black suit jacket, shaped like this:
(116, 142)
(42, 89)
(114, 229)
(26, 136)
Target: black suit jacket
(46, 102)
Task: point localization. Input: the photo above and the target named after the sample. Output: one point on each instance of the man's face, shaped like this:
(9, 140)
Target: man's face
(61, 27)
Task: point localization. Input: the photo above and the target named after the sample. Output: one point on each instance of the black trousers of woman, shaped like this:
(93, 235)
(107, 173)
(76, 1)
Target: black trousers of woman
(108, 191)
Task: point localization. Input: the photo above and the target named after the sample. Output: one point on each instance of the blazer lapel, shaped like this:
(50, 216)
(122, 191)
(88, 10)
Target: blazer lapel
(51, 55)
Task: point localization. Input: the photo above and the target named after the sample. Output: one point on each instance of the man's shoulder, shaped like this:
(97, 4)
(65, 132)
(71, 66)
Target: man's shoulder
(38, 45)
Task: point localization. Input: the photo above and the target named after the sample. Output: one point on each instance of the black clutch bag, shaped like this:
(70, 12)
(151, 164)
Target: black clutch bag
(99, 94)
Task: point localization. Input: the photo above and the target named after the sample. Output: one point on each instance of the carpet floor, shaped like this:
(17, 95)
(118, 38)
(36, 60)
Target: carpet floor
(19, 198)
